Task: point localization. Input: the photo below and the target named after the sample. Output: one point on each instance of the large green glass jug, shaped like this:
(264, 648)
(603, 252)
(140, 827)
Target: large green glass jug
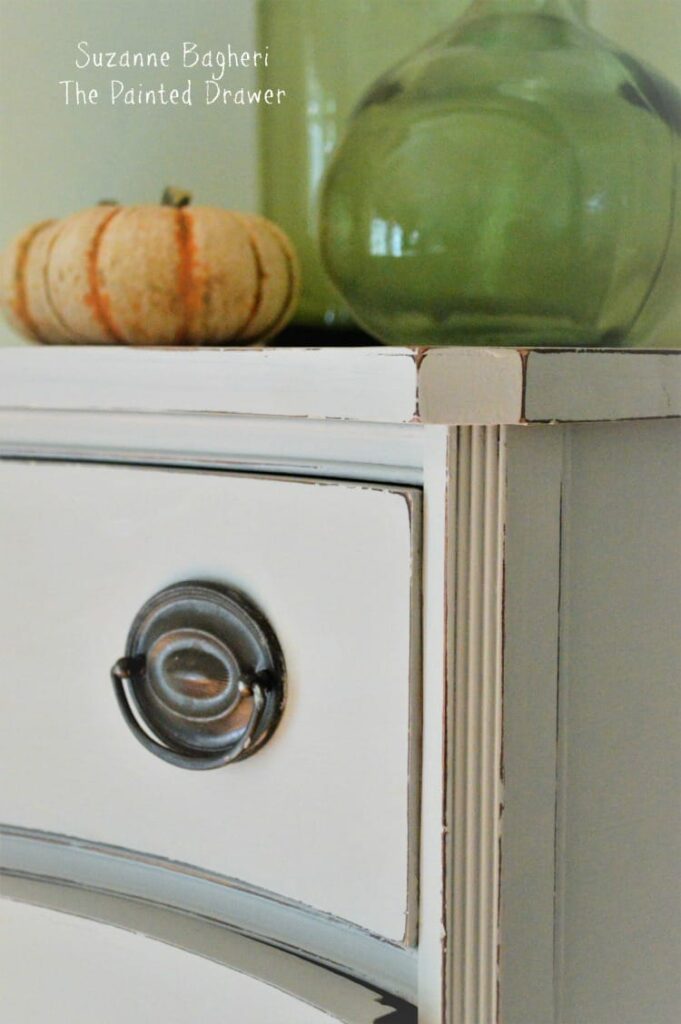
(515, 182)
(325, 53)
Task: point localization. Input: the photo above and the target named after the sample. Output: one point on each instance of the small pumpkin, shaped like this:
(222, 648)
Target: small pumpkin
(150, 275)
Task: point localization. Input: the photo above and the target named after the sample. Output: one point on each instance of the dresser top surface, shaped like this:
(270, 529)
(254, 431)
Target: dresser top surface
(381, 385)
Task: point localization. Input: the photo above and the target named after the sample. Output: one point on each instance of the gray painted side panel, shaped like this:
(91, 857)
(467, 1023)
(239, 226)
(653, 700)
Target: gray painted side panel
(619, 834)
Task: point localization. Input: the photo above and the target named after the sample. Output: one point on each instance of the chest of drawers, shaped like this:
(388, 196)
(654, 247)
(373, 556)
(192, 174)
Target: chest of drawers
(460, 573)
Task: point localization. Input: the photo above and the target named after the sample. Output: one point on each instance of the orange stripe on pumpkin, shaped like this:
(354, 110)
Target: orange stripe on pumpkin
(187, 284)
(97, 298)
(20, 305)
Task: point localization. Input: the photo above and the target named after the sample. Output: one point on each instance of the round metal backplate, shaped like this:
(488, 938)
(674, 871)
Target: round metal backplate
(198, 646)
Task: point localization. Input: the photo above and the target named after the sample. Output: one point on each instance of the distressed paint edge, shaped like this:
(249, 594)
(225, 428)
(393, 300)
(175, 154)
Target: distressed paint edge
(373, 385)
(414, 502)
(470, 386)
(291, 973)
(439, 443)
(643, 385)
(378, 452)
(258, 914)
(446, 385)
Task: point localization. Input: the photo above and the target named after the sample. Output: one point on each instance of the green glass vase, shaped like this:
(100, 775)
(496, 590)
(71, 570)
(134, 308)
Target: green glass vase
(515, 182)
(325, 54)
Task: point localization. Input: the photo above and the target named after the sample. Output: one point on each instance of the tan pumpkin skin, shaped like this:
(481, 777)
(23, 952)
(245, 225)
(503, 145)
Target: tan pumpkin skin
(21, 271)
(11, 281)
(279, 279)
(40, 308)
(73, 278)
(151, 275)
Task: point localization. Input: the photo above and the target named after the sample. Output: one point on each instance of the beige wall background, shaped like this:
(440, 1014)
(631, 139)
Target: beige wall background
(56, 159)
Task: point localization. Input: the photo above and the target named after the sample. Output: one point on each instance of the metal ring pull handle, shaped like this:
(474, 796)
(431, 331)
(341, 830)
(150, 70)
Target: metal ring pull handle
(202, 683)
(124, 672)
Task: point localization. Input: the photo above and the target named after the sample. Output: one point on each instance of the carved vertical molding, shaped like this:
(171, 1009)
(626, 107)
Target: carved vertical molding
(474, 798)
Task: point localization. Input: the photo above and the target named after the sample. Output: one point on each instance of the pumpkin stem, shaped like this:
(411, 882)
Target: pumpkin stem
(177, 197)
(108, 202)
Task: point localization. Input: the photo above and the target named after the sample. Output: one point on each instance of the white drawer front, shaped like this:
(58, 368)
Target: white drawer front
(320, 814)
(68, 970)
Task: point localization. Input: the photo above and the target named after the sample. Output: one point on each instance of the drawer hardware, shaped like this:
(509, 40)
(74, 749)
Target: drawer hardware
(202, 683)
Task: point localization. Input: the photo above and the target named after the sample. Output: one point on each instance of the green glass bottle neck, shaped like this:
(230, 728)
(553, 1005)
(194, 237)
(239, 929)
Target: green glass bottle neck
(572, 9)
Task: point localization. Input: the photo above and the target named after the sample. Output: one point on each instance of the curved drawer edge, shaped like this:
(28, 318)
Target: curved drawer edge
(59, 863)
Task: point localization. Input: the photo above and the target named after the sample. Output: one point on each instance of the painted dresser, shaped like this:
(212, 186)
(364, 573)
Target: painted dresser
(417, 610)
